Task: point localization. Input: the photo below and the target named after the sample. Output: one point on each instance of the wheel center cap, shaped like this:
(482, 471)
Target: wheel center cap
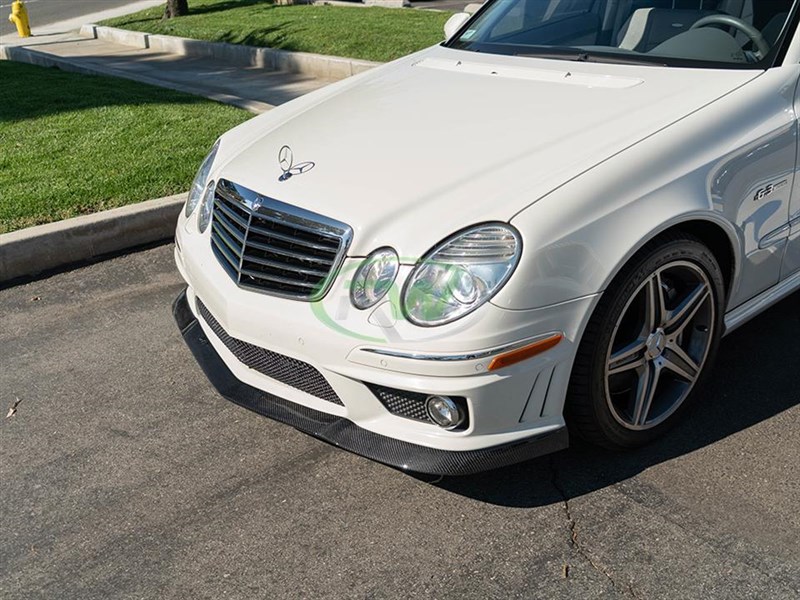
(655, 344)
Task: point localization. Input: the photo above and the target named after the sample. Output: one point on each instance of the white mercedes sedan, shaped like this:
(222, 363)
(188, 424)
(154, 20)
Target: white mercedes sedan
(540, 228)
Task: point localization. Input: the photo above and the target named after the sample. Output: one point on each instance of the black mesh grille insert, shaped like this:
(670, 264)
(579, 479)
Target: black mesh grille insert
(410, 405)
(285, 369)
(405, 404)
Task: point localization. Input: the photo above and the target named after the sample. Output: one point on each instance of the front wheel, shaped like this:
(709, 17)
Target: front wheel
(648, 344)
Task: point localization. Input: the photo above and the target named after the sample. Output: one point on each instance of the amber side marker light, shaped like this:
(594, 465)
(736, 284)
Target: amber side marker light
(520, 354)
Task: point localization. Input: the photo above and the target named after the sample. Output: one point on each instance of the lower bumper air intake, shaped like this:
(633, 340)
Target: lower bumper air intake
(344, 433)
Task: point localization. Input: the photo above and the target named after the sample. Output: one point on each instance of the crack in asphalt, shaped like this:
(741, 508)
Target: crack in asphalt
(573, 532)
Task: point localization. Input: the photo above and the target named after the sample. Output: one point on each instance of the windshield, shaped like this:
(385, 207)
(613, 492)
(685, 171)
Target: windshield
(669, 32)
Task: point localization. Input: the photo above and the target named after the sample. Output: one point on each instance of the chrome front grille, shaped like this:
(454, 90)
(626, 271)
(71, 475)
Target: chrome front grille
(273, 247)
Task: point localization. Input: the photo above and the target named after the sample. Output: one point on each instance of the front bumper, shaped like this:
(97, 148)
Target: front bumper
(345, 434)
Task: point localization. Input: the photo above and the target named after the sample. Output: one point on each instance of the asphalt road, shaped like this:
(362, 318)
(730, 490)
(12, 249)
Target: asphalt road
(124, 475)
(46, 12)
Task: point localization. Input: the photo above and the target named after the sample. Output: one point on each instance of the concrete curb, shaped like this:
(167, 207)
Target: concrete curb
(304, 63)
(84, 66)
(31, 251)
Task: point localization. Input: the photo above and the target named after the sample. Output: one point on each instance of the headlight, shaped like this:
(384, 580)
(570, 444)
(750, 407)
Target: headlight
(374, 277)
(199, 183)
(461, 274)
(206, 206)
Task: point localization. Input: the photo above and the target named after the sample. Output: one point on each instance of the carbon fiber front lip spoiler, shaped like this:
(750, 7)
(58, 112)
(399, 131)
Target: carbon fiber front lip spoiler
(344, 433)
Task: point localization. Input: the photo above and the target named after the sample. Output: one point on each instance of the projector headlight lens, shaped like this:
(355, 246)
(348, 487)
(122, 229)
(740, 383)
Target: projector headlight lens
(374, 278)
(461, 274)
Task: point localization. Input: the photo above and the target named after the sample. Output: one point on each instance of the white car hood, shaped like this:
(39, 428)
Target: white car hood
(413, 151)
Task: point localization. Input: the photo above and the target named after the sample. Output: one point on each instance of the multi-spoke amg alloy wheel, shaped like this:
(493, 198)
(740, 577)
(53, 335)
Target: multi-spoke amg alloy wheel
(659, 345)
(648, 343)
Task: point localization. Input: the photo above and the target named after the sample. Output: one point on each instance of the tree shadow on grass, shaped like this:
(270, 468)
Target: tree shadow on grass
(205, 9)
(754, 379)
(42, 91)
(278, 37)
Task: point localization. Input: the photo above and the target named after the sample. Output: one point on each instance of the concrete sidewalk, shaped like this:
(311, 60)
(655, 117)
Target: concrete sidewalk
(253, 88)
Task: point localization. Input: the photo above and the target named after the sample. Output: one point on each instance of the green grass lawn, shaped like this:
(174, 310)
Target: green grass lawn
(379, 34)
(74, 144)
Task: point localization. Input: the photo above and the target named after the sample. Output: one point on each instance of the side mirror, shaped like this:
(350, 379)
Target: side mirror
(454, 23)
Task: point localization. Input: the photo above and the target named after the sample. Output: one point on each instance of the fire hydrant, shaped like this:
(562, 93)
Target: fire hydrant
(19, 16)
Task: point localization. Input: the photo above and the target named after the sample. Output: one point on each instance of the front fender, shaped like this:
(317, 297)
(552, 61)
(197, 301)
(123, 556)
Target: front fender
(708, 167)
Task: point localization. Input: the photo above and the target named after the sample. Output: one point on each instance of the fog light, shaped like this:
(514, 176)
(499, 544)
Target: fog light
(444, 412)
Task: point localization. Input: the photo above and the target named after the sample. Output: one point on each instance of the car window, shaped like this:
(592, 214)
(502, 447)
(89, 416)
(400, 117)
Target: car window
(716, 32)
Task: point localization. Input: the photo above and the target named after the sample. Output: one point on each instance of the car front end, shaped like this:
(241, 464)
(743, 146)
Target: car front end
(404, 263)
(478, 392)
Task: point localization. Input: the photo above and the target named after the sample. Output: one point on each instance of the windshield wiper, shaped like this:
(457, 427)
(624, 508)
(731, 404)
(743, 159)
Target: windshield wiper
(580, 56)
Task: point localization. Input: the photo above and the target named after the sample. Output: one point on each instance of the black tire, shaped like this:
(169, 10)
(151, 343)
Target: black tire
(595, 409)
